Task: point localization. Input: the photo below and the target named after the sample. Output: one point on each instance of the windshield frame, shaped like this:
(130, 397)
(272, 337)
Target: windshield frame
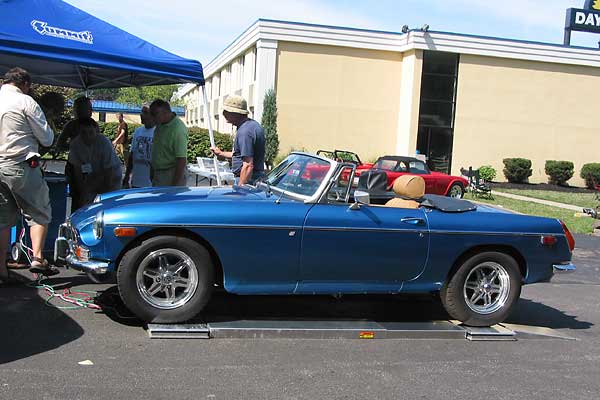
(316, 196)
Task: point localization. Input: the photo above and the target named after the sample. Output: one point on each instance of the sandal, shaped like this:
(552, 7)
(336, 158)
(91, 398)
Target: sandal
(41, 267)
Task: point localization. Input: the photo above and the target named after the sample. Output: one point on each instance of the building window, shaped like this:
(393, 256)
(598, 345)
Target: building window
(102, 117)
(437, 108)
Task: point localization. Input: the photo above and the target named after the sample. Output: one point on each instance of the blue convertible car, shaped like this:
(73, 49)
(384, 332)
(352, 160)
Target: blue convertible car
(303, 231)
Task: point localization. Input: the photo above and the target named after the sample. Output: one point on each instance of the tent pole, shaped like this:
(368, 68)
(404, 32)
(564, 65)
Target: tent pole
(210, 134)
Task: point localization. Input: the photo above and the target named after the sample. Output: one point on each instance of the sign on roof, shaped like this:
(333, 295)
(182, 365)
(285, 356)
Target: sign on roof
(585, 19)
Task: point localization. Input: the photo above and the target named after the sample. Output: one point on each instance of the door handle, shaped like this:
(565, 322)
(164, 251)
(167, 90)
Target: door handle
(413, 221)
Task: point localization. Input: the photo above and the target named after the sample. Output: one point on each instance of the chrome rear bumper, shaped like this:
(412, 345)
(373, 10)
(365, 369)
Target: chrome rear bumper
(563, 268)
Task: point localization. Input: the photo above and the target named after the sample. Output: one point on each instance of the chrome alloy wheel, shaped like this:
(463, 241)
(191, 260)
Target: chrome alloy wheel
(167, 278)
(456, 192)
(487, 288)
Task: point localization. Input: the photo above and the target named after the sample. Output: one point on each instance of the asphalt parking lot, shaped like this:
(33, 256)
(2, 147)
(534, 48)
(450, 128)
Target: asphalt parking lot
(41, 348)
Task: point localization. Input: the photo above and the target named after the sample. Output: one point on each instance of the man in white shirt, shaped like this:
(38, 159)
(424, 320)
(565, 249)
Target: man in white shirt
(137, 172)
(23, 127)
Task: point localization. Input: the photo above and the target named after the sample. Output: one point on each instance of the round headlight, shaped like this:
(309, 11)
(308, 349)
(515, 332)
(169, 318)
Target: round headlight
(98, 225)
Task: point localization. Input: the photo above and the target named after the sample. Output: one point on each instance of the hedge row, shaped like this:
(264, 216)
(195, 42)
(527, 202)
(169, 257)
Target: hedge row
(198, 140)
(517, 170)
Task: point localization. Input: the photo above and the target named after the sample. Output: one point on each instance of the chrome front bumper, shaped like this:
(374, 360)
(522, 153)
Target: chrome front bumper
(64, 254)
(564, 268)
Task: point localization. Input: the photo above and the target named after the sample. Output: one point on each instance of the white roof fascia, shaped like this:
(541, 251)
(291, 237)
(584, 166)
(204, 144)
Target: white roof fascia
(400, 42)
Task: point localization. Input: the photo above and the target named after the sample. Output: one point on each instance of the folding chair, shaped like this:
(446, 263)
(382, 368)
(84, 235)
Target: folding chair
(477, 186)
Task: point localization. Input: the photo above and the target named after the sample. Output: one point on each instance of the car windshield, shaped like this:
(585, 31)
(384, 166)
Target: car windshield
(389, 165)
(300, 174)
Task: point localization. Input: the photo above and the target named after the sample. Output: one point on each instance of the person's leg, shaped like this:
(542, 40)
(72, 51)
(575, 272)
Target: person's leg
(38, 238)
(4, 236)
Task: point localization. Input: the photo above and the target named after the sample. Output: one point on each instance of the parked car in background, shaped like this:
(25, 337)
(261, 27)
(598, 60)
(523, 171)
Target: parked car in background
(344, 156)
(298, 233)
(435, 182)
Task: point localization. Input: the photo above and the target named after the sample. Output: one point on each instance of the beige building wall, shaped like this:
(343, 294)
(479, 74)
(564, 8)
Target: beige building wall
(540, 111)
(337, 98)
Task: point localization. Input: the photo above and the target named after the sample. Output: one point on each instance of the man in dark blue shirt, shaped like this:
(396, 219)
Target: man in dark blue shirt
(248, 155)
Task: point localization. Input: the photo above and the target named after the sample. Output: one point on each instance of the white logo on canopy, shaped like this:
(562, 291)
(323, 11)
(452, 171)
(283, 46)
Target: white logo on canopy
(42, 28)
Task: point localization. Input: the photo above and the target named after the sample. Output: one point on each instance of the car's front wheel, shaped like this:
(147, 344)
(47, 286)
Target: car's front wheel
(456, 191)
(166, 279)
(483, 290)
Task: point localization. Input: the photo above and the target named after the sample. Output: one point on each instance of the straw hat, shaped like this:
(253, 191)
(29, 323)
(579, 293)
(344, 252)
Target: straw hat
(235, 104)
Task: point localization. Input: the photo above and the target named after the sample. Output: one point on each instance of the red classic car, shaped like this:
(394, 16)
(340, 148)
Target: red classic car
(435, 182)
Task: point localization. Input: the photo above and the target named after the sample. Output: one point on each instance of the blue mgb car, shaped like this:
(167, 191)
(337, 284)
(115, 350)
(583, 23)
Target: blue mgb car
(303, 231)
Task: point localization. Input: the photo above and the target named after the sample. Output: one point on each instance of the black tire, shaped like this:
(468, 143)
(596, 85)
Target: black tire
(141, 302)
(18, 254)
(456, 188)
(457, 288)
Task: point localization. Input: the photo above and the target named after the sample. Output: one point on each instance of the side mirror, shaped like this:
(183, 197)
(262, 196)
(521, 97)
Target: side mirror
(360, 197)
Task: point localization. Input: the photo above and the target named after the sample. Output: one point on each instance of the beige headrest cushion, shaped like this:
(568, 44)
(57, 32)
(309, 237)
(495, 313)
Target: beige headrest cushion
(409, 186)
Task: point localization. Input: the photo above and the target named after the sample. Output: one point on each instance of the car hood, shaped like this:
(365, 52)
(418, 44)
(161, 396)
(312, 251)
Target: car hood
(158, 203)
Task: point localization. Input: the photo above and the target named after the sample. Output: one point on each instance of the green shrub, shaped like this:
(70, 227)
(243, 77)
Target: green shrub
(198, 139)
(487, 173)
(559, 172)
(517, 170)
(269, 124)
(199, 143)
(591, 173)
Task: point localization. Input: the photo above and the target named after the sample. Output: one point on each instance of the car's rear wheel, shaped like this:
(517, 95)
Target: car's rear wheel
(456, 191)
(166, 279)
(483, 290)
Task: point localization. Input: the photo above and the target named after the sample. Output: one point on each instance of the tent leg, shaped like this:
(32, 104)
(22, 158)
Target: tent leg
(211, 134)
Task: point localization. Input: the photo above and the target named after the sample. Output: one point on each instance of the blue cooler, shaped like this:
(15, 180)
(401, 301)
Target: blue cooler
(57, 183)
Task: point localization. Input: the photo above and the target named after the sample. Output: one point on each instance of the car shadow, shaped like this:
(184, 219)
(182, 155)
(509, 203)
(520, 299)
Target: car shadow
(31, 327)
(532, 313)
(225, 307)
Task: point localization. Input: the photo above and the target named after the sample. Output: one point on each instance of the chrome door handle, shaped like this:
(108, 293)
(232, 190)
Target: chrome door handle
(413, 221)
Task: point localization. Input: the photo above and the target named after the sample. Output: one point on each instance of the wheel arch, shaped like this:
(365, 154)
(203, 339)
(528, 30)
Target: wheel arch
(508, 250)
(452, 182)
(180, 232)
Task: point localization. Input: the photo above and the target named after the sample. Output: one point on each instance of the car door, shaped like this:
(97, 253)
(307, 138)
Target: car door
(370, 249)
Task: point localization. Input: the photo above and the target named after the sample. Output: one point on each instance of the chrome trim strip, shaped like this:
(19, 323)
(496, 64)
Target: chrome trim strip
(357, 229)
(564, 268)
(439, 232)
(219, 226)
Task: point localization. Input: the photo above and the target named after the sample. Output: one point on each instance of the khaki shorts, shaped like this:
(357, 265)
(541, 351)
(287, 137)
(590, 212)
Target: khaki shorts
(24, 188)
(164, 177)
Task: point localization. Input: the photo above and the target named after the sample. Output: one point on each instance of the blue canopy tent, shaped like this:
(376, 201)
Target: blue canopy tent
(61, 45)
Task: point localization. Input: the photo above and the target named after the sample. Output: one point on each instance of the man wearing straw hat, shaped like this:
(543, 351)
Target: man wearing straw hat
(248, 155)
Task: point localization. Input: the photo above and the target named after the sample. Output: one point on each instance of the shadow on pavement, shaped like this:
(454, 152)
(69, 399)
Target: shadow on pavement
(29, 326)
(379, 308)
(531, 313)
(227, 307)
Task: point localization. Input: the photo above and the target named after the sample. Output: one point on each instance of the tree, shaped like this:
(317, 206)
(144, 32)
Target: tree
(269, 124)
(38, 91)
(147, 94)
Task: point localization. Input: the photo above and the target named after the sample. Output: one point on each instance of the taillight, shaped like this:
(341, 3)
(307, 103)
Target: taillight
(570, 238)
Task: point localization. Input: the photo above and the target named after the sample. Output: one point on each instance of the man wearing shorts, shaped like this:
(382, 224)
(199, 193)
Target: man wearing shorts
(23, 127)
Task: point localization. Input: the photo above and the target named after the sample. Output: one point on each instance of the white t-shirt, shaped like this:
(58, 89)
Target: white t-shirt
(141, 153)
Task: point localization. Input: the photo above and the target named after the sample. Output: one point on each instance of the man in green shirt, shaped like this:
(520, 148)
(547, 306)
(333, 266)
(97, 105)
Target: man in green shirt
(169, 148)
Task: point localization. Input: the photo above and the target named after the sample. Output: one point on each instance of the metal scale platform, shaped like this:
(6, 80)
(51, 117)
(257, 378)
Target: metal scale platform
(339, 329)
